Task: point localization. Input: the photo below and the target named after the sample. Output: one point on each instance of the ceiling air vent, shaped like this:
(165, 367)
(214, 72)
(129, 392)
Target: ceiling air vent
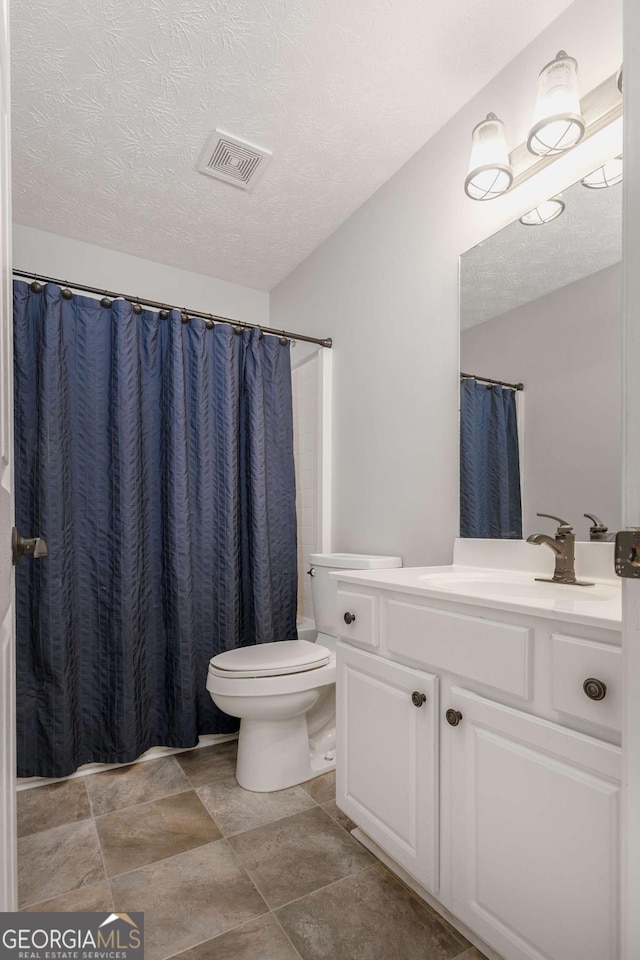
(233, 160)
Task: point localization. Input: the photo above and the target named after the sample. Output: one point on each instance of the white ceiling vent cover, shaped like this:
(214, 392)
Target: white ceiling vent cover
(233, 160)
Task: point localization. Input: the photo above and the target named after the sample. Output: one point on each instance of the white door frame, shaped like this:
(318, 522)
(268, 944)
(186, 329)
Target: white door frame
(631, 482)
(8, 865)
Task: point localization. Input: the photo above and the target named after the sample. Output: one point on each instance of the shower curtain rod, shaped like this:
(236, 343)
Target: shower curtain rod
(326, 342)
(498, 383)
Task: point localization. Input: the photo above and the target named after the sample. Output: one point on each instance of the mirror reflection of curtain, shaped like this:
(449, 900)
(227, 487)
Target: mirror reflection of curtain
(490, 503)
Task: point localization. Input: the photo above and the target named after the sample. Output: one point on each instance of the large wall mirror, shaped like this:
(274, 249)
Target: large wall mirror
(540, 312)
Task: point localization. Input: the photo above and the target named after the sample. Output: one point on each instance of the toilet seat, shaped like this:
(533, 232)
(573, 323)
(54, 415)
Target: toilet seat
(277, 659)
(223, 682)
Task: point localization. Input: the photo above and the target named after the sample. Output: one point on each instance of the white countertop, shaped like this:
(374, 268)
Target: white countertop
(511, 586)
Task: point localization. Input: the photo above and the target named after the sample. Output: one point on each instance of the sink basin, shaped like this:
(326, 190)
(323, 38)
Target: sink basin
(492, 586)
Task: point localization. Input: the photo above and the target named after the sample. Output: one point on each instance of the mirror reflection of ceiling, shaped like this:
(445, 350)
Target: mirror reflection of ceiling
(520, 263)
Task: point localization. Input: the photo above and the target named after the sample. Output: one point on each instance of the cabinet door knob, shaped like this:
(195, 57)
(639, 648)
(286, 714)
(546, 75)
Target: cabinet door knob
(594, 689)
(417, 699)
(349, 617)
(453, 717)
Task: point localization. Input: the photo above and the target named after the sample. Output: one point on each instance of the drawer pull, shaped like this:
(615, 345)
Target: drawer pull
(594, 689)
(453, 717)
(417, 699)
(349, 618)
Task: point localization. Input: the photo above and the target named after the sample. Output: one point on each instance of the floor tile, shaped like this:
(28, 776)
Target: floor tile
(41, 808)
(139, 835)
(290, 858)
(209, 764)
(323, 788)
(336, 813)
(236, 810)
(261, 939)
(189, 898)
(137, 783)
(95, 898)
(56, 861)
(367, 917)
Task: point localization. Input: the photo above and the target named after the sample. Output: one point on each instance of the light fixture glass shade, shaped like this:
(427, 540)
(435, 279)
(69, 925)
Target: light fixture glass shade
(558, 123)
(544, 213)
(608, 175)
(490, 174)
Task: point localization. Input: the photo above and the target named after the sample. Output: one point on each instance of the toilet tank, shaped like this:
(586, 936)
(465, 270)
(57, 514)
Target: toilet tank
(324, 589)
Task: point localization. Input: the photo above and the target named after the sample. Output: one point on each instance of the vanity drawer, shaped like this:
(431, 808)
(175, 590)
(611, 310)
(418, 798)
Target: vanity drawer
(498, 654)
(575, 660)
(358, 618)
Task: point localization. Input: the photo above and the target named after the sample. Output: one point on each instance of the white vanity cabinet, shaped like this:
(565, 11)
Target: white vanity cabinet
(387, 776)
(506, 811)
(534, 828)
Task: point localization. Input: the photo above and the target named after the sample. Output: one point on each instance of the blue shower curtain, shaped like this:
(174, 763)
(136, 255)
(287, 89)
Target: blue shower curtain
(490, 505)
(156, 459)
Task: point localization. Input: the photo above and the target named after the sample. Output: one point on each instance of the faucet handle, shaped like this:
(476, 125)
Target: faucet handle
(564, 527)
(598, 530)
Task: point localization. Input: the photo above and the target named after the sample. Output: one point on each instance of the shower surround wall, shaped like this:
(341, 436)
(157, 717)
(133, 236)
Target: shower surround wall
(306, 445)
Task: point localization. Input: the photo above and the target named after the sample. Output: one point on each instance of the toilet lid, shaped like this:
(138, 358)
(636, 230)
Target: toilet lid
(271, 659)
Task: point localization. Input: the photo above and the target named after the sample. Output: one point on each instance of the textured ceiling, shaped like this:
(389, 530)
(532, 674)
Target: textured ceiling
(114, 99)
(520, 264)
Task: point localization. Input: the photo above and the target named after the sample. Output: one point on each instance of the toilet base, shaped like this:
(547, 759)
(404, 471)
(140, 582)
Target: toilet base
(276, 754)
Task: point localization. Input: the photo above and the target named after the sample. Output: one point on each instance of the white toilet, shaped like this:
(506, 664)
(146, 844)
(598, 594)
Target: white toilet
(284, 692)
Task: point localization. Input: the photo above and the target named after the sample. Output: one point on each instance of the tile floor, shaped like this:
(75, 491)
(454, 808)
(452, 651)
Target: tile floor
(221, 873)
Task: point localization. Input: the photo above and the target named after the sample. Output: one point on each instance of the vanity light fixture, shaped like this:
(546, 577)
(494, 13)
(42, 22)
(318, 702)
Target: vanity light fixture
(558, 123)
(608, 175)
(561, 121)
(490, 173)
(544, 213)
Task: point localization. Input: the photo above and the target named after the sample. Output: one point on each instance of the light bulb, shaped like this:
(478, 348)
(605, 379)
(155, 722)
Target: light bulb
(545, 212)
(490, 174)
(608, 175)
(558, 123)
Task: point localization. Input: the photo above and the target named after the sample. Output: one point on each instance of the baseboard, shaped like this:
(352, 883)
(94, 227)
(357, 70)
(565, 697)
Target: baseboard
(208, 740)
(418, 889)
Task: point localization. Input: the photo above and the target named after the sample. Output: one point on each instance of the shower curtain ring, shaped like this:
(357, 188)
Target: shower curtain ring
(35, 285)
(137, 308)
(164, 313)
(66, 293)
(282, 340)
(184, 316)
(209, 324)
(105, 302)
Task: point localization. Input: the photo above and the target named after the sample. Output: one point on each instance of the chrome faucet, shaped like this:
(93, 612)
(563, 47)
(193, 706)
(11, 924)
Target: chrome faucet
(563, 546)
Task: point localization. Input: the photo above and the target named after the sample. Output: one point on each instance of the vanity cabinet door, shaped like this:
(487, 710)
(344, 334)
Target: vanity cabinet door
(387, 779)
(535, 833)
